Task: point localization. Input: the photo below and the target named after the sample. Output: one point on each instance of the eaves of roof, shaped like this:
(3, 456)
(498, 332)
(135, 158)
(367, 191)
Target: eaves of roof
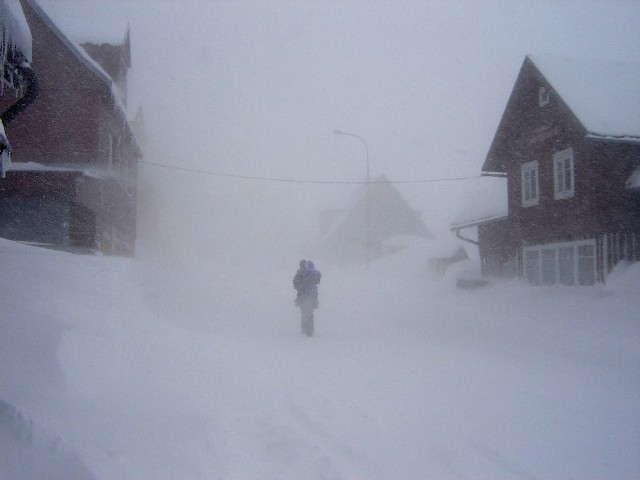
(613, 138)
(478, 221)
(73, 47)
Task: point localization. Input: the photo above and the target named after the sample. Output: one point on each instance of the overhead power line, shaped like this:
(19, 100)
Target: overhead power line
(294, 180)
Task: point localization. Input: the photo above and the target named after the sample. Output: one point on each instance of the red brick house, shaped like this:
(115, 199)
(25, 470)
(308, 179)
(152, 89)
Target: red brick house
(568, 145)
(72, 181)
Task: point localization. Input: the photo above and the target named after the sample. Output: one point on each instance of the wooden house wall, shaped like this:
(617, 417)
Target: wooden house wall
(543, 131)
(615, 208)
(601, 208)
(61, 126)
(498, 249)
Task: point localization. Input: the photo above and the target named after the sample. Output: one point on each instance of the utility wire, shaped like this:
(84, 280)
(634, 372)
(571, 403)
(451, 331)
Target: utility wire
(293, 180)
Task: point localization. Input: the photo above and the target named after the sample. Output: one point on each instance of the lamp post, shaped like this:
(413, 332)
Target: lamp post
(366, 149)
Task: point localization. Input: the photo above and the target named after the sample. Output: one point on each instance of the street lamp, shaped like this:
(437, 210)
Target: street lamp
(366, 149)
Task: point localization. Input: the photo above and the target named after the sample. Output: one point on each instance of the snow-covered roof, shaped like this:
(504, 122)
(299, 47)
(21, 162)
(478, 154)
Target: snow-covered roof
(604, 95)
(74, 47)
(485, 200)
(14, 27)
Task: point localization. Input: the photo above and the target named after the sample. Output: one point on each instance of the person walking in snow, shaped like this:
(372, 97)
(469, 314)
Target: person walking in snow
(306, 282)
(313, 277)
(299, 282)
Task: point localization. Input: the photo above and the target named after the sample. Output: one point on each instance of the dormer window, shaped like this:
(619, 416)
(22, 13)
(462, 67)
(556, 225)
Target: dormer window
(543, 96)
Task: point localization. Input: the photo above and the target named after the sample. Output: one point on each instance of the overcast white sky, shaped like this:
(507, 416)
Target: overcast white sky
(265, 83)
(257, 88)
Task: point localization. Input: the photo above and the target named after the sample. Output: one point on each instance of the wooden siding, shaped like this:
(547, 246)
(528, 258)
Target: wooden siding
(600, 208)
(498, 249)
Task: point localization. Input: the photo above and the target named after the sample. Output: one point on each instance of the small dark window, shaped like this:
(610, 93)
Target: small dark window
(543, 96)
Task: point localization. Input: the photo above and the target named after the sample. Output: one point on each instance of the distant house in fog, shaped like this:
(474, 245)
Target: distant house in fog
(392, 225)
(568, 146)
(72, 182)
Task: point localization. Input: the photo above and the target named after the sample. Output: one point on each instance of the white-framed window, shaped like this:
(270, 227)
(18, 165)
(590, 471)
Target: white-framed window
(570, 263)
(543, 96)
(529, 172)
(563, 174)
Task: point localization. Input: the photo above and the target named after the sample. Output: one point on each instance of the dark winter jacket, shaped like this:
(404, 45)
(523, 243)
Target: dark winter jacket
(306, 281)
(299, 282)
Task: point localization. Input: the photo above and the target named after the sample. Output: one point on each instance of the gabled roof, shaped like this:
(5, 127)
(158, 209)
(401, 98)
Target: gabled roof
(603, 95)
(388, 212)
(92, 66)
(73, 47)
(485, 201)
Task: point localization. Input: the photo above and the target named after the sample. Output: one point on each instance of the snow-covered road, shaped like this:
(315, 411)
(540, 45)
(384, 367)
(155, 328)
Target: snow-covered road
(406, 377)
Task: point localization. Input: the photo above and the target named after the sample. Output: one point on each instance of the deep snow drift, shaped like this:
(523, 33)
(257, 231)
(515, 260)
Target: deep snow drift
(112, 370)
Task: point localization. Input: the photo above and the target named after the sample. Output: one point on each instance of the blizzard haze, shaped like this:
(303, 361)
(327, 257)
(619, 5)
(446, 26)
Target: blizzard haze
(187, 361)
(257, 89)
